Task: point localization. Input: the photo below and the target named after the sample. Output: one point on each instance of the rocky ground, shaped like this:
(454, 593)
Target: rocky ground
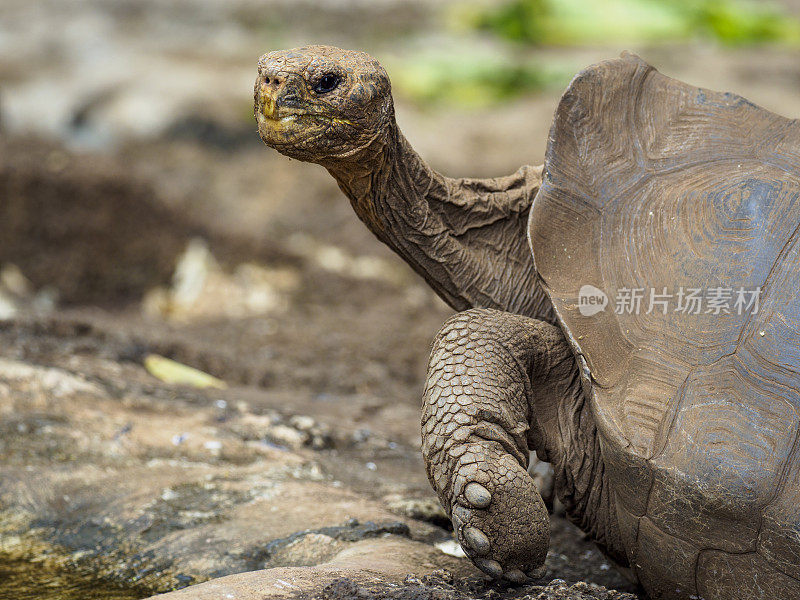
(140, 216)
(306, 463)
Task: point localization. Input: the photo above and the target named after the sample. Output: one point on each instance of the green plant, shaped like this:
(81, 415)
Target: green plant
(574, 22)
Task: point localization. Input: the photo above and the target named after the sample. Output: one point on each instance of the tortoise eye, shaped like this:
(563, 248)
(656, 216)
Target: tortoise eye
(327, 83)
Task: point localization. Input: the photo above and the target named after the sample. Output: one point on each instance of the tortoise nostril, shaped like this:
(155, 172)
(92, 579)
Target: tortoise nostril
(266, 80)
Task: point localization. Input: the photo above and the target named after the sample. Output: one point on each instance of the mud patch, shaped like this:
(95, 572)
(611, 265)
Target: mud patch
(87, 228)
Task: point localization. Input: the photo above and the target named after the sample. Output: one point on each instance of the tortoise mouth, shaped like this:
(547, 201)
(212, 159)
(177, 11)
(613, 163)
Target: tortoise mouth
(275, 120)
(281, 128)
(298, 135)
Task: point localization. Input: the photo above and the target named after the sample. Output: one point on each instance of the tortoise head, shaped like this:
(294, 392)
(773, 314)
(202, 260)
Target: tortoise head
(321, 104)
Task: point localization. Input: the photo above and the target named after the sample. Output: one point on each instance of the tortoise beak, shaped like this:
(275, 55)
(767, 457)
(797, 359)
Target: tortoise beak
(267, 105)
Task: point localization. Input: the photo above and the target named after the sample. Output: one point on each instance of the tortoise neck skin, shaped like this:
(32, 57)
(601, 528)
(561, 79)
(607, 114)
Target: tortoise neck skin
(466, 237)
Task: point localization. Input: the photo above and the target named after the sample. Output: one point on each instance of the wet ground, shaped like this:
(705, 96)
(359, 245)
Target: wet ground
(23, 580)
(140, 215)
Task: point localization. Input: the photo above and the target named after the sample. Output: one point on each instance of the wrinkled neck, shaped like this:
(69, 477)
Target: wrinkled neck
(390, 188)
(466, 237)
(388, 183)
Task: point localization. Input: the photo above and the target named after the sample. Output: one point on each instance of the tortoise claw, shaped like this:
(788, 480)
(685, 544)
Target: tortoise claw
(538, 572)
(516, 576)
(476, 539)
(477, 495)
(491, 567)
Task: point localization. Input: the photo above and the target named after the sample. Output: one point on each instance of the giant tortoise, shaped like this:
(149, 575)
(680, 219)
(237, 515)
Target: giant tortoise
(649, 345)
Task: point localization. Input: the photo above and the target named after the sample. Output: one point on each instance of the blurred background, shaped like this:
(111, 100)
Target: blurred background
(135, 193)
(140, 214)
(133, 184)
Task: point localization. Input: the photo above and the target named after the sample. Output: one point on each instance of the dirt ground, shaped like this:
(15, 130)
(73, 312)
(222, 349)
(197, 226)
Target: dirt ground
(143, 216)
(342, 339)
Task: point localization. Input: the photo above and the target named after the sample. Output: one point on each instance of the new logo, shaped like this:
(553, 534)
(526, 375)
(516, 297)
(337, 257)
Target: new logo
(591, 300)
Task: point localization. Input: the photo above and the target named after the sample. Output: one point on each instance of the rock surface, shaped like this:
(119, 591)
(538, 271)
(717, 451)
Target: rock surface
(105, 468)
(346, 578)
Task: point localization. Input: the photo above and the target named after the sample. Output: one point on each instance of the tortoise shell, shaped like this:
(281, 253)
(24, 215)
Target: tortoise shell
(657, 190)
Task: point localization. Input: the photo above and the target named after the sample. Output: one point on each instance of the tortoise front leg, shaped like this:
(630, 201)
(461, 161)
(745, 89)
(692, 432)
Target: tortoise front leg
(486, 370)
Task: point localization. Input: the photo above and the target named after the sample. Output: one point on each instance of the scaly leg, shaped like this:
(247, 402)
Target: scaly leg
(487, 370)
